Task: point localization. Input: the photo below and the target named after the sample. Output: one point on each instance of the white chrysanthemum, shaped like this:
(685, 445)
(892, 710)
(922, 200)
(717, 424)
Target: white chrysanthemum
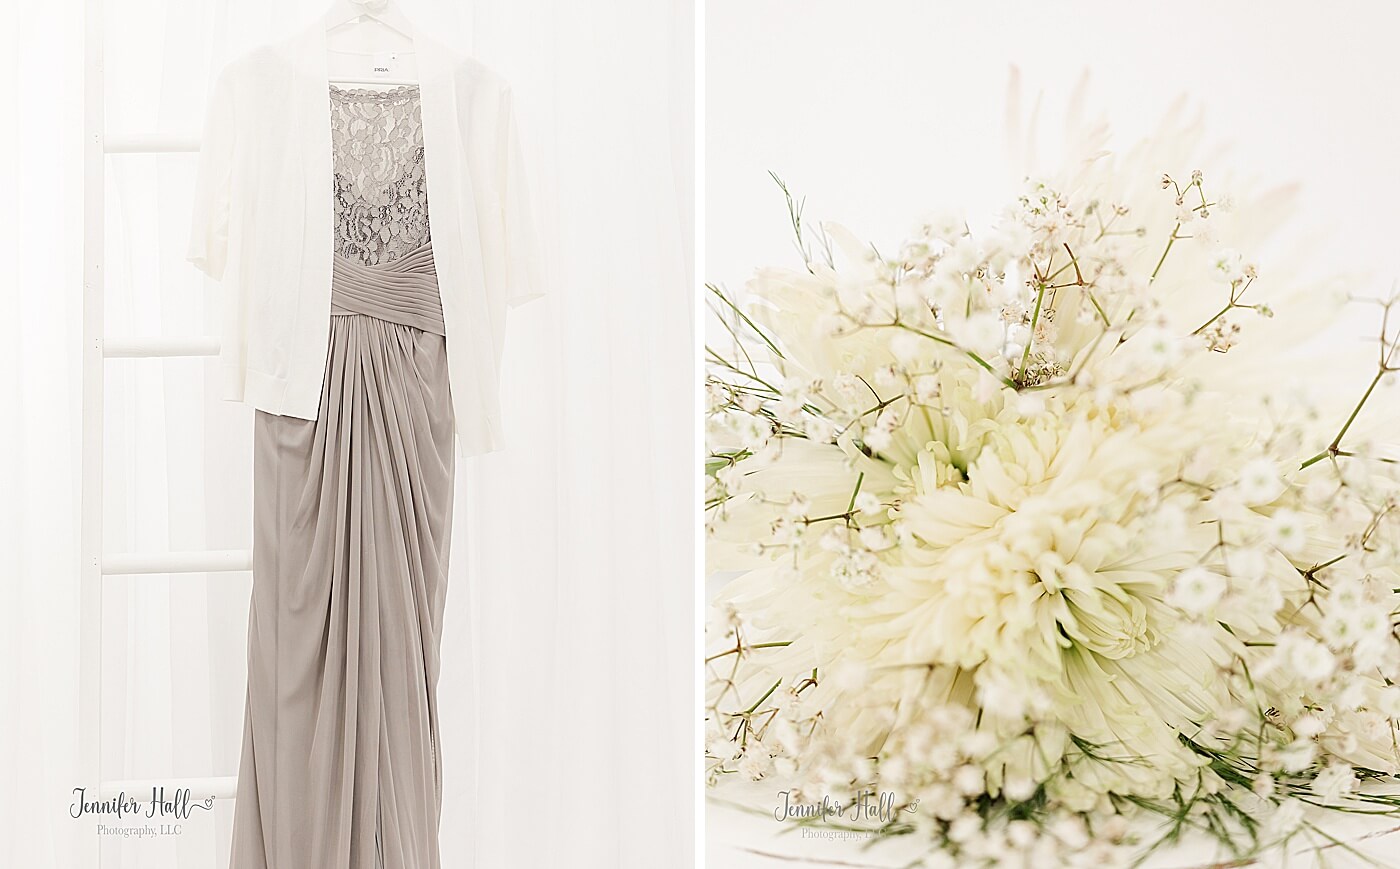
(1014, 523)
(1034, 555)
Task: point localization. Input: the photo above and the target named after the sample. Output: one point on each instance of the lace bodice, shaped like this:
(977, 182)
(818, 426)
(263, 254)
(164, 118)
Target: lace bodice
(381, 194)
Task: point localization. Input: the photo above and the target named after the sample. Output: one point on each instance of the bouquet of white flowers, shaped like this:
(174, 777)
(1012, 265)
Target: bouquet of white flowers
(1034, 538)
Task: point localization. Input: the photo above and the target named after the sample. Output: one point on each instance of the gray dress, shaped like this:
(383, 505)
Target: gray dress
(340, 765)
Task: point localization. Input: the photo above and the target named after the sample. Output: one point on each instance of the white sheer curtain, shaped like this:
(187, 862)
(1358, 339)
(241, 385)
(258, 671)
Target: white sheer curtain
(568, 623)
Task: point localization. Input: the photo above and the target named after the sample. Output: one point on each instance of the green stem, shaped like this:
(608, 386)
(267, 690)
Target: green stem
(1006, 381)
(1168, 249)
(1233, 304)
(1035, 318)
(851, 507)
(766, 695)
(745, 317)
(725, 363)
(1337, 441)
(737, 649)
(1206, 325)
(1099, 308)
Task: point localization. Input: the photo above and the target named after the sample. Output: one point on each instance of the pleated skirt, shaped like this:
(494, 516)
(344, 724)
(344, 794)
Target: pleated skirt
(341, 764)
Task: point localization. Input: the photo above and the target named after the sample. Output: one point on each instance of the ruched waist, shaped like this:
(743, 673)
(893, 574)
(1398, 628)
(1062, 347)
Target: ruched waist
(404, 290)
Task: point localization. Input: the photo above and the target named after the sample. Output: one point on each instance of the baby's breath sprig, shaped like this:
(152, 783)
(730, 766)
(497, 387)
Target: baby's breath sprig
(1215, 328)
(1202, 210)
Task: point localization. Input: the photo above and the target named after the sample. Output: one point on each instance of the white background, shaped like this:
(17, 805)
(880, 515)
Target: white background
(879, 112)
(569, 602)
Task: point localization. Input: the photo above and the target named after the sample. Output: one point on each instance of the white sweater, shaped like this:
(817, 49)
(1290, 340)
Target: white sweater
(264, 211)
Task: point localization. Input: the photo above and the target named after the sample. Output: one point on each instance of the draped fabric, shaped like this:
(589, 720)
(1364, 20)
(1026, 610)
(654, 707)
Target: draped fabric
(352, 514)
(403, 292)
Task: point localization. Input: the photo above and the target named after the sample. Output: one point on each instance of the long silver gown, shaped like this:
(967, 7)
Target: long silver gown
(341, 766)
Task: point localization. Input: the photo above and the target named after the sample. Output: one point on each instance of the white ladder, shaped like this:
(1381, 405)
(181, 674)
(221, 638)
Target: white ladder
(97, 349)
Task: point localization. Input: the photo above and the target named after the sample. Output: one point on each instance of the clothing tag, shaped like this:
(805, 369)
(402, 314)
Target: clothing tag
(384, 64)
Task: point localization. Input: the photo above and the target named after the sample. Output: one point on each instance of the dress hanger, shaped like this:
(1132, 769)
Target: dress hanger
(345, 14)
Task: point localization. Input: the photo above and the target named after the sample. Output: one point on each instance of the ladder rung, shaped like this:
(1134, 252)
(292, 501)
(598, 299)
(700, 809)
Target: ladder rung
(218, 786)
(205, 561)
(150, 143)
(148, 348)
